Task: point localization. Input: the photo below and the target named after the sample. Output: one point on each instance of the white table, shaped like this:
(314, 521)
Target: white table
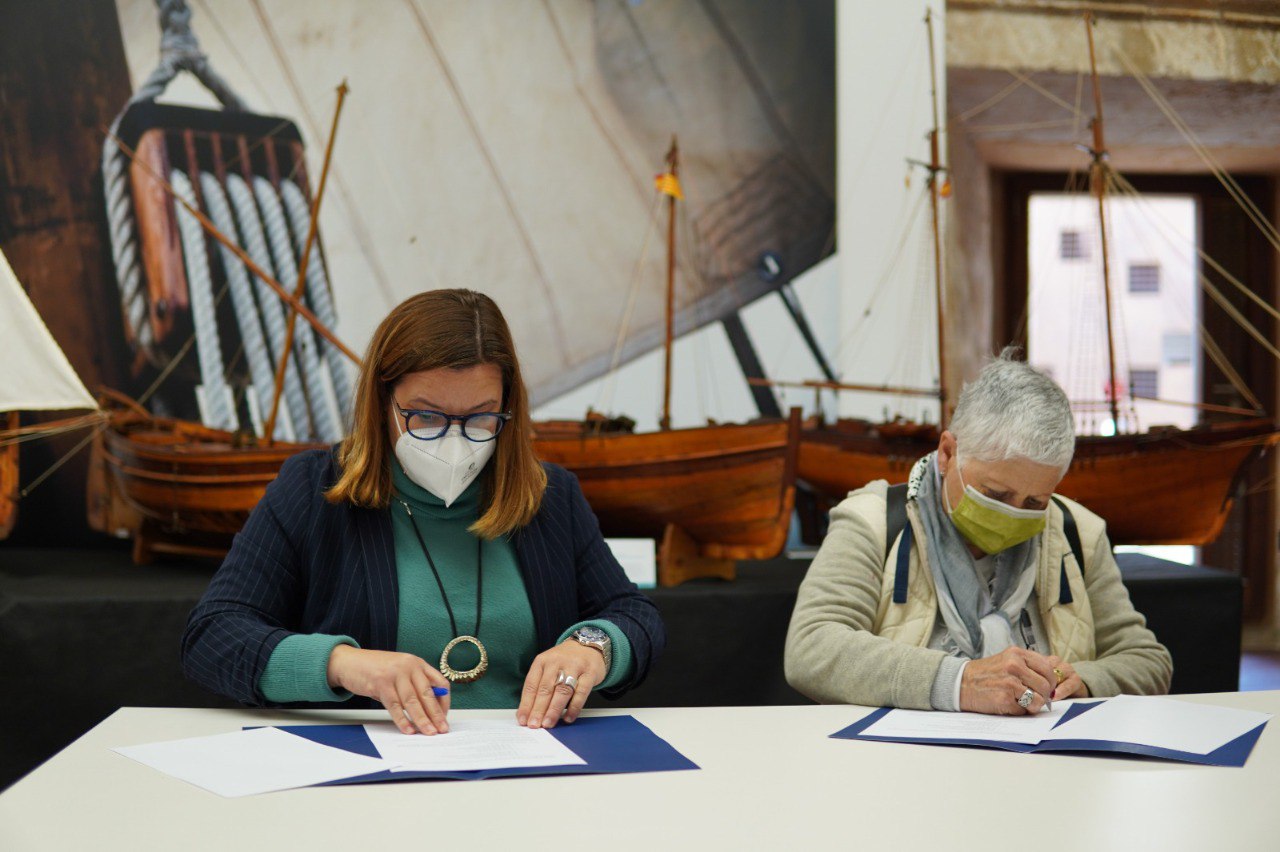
(770, 779)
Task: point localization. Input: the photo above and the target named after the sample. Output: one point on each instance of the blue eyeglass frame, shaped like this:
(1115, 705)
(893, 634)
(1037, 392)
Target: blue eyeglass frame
(450, 419)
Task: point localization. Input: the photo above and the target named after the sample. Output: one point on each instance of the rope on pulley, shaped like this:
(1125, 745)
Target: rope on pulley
(246, 308)
(255, 243)
(324, 408)
(218, 409)
(319, 295)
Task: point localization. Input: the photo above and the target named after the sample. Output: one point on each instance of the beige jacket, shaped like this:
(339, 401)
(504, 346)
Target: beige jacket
(849, 644)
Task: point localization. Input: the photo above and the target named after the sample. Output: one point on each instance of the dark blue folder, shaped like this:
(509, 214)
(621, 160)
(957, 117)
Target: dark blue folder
(608, 744)
(1234, 753)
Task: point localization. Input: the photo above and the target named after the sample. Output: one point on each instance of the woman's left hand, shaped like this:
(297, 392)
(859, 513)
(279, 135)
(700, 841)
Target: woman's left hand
(1069, 683)
(547, 696)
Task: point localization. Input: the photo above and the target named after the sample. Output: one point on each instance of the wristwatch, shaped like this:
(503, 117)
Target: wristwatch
(594, 637)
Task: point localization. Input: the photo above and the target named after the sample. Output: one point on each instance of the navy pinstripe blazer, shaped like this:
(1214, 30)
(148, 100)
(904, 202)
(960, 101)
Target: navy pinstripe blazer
(304, 565)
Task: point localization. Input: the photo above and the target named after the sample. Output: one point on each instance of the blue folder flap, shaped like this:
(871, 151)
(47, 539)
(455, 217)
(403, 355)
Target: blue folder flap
(854, 732)
(1234, 753)
(608, 744)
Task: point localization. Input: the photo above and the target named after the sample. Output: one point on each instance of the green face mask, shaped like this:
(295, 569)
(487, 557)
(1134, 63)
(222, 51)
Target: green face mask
(991, 525)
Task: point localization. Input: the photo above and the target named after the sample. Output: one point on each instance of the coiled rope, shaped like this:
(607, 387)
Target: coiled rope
(218, 409)
(246, 308)
(319, 295)
(324, 409)
(255, 243)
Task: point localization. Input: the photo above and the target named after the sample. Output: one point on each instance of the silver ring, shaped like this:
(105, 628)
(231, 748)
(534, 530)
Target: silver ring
(560, 678)
(1024, 700)
(571, 682)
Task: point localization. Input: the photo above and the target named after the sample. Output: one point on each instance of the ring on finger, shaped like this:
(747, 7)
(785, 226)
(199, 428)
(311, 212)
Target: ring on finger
(1060, 675)
(571, 682)
(1025, 699)
(561, 678)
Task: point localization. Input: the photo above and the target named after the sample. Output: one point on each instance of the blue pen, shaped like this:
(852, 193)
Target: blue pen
(439, 691)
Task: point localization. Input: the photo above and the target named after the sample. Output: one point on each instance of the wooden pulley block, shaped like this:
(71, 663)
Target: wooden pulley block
(221, 142)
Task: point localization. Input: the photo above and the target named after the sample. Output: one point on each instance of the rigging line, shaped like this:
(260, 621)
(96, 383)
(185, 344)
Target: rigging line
(596, 117)
(35, 433)
(186, 347)
(1120, 317)
(1219, 358)
(1234, 312)
(1228, 182)
(691, 269)
(355, 222)
(859, 167)
(1025, 125)
(1125, 186)
(1133, 202)
(1036, 87)
(883, 282)
(770, 109)
(726, 273)
(560, 333)
(606, 390)
(34, 484)
(206, 9)
(975, 111)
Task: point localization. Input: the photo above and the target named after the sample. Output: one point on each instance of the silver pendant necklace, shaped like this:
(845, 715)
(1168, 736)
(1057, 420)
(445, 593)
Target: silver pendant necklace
(450, 673)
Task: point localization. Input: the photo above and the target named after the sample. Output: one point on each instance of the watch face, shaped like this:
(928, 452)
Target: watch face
(592, 634)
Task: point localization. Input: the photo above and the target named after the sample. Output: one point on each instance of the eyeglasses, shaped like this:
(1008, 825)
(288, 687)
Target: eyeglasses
(430, 425)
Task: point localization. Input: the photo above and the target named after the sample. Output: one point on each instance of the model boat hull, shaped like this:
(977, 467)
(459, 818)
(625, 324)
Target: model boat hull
(1168, 486)
(731, 488)
(8, 478)
(183, 480)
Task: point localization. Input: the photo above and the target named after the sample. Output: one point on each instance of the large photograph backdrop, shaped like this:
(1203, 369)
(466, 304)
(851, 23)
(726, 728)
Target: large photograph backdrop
(511, 147)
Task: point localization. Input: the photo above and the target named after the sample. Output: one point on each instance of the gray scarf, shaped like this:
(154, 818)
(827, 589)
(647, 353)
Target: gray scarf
(980, 620)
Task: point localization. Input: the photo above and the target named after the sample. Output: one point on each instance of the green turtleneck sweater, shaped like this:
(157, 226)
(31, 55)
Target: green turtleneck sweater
(298, 667)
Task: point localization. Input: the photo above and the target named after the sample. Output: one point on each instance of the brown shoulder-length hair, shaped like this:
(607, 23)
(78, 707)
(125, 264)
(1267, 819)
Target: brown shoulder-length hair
(454, 329)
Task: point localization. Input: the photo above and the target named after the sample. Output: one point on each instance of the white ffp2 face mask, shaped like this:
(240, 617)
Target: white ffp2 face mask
(444, 466)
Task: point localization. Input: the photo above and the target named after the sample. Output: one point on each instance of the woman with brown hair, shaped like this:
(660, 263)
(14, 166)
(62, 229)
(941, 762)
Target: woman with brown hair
(432, 533)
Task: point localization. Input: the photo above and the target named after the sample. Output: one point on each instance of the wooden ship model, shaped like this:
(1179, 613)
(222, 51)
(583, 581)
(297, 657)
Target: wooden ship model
(1162, 486)
(711, 494)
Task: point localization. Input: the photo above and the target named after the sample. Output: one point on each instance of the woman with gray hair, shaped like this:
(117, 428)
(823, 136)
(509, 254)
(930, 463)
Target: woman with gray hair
(974, 587)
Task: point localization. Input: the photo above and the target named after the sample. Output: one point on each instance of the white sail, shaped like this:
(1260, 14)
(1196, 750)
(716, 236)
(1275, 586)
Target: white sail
(37, 376)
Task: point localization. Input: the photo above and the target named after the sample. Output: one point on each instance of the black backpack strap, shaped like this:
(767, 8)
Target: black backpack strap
(1072, 532)
(895, 525)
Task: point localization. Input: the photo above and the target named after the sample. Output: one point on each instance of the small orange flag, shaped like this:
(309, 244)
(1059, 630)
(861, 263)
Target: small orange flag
(668, 184)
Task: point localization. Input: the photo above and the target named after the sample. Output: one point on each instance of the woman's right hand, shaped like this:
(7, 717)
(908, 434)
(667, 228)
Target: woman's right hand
(994, 684)
(402, 682)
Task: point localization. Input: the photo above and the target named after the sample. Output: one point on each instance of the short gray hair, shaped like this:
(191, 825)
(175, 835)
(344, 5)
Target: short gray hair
(1013, 410)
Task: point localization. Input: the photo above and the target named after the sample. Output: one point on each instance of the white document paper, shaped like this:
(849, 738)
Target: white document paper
(1161, 722)
(243, 763)
(470, 744)
(934, 724)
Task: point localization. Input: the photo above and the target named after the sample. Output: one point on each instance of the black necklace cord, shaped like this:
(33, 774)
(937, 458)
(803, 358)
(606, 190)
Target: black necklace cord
(453, 623)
